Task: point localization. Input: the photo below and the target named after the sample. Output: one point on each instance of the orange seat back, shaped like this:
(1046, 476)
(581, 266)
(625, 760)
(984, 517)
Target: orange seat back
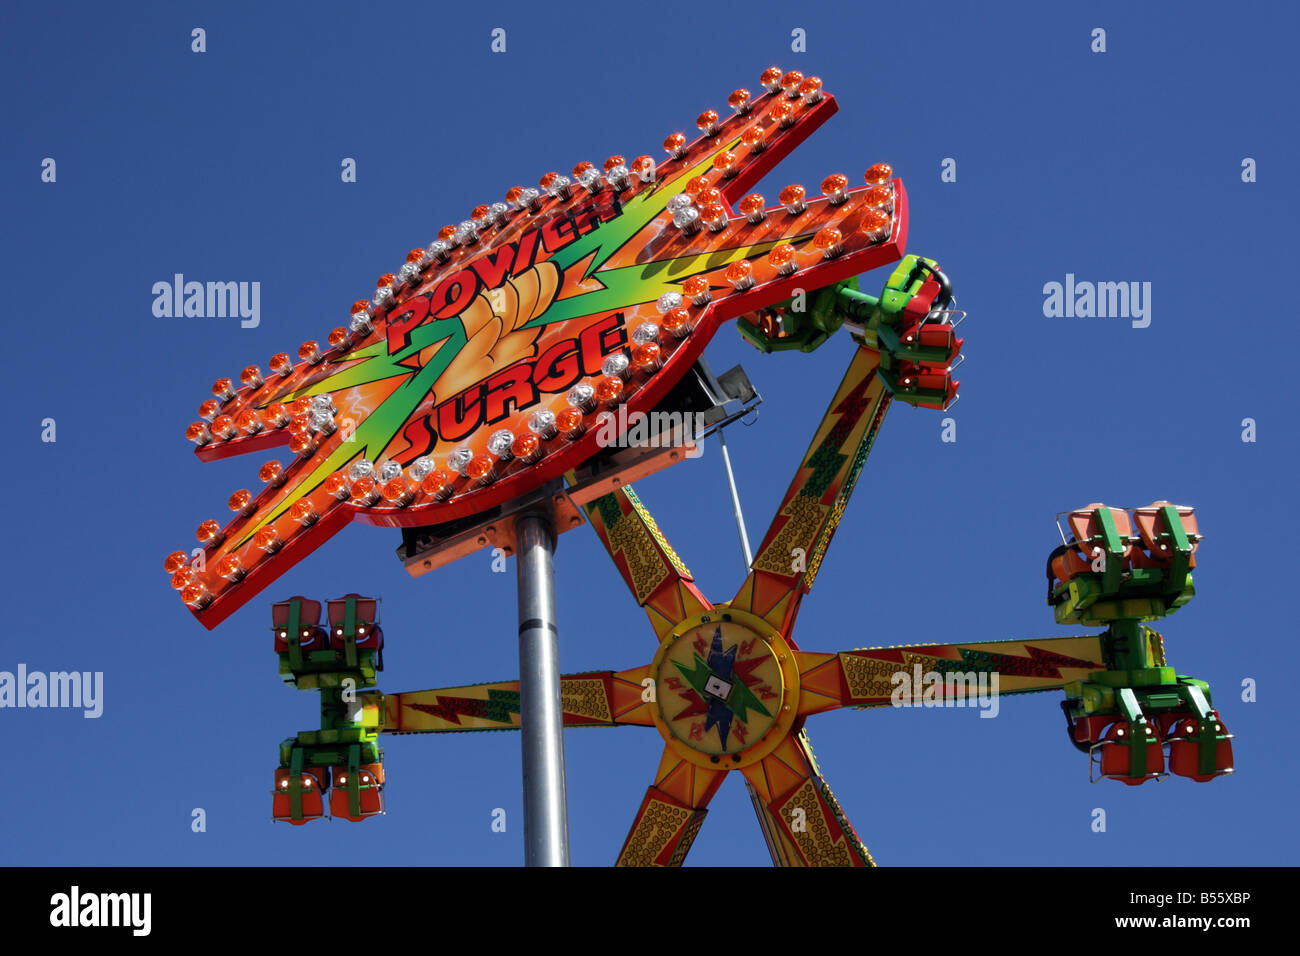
(371, 795)
(314, 782)
(308, 615)
(1151, 526)
(338, 609)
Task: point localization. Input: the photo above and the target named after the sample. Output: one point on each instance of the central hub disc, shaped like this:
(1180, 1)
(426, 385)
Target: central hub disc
(725, 685)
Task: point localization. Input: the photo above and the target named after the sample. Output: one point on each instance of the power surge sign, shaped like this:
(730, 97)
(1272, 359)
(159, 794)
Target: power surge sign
(482, 369)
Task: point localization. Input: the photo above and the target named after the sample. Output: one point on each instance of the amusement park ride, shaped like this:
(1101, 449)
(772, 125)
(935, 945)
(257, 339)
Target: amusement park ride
(466, 401)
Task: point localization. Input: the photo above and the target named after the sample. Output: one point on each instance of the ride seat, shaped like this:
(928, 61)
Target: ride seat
(370, 636)
(315, 781)
(371, 793)
(1119, 754)
(1155, 533)
(1186, 738)
(311, 636)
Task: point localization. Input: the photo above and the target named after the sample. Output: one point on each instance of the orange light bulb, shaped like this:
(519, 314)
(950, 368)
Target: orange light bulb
(281, 363)
(781, 258)
(707, 195)
(303, 511)
(647, 356)
(878, 197)
(714, 216)
(725, 162)
(272, 473)
(526, 447)
(876, 225)
(696, 288)
(771, 79)
(240, 500)
(792, 197)
(396, 490)
(175, 561)
(481, 468)
(615, 160)
(275, 416)
(695, 186)
(438, 484)
(248, 422)
(879, 174)
(708, 122)
(810, 89)
(385, 280)
(783, 113)
(252, 377)
(197, 432)
(836, 187)
(363, 489)
(195, 595)
(223, 427)
(753, 138)
(740, 274)
(678, 323)
(209, 532)
(336, 486)
(182, 577)
(267, 539)
(675, 144)
(609, 388)
(739, 101)
(828, 240)
(790, 82)
(230, 568)
(752, 208)
(569, 422)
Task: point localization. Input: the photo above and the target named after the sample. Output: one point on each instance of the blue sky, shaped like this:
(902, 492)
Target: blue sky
(1116, 166)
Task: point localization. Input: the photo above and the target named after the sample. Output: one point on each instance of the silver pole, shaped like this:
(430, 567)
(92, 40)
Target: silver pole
(735, 502)
(768, 837)
(546, 828)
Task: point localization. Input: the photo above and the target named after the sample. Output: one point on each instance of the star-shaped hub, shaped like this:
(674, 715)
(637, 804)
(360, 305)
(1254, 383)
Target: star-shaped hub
(477, 372)
(714, 701)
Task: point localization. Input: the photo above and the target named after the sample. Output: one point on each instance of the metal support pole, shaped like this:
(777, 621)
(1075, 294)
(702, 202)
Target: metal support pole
(768, 837)
(546, 827)
(735, 502)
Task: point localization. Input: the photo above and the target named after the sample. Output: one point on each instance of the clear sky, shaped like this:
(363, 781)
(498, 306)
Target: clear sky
(225, 165)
